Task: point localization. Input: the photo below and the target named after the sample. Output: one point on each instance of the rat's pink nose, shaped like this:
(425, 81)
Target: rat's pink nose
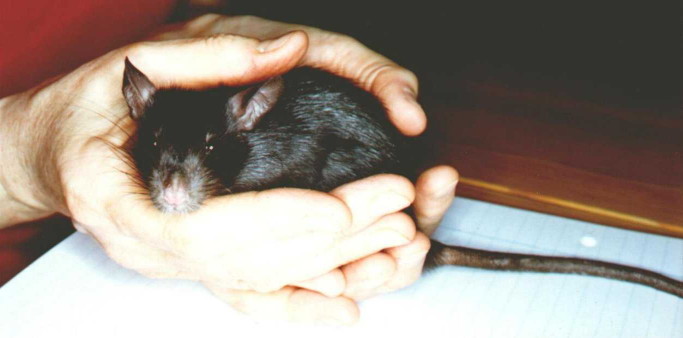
(175, 197)
(176, 194)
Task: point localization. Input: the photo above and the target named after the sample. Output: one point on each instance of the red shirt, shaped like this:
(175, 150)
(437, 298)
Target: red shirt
(43, 38)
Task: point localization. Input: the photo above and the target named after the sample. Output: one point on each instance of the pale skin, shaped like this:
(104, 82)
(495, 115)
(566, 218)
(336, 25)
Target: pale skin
(285, 253)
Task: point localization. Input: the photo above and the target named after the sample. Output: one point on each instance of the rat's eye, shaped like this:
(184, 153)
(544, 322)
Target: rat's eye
(208, 144)
(155, 143)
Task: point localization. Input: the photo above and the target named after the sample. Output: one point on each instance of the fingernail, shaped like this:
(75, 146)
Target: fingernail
(449, 190)
(271, 45)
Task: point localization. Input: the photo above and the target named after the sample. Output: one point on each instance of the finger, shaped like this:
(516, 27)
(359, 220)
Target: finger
(217, 60)
(371, 198)
(292, 304)
(331, 284)
(389, 231)
(409, 261)
(223, 217)
(400, 266)
(246, 25)
(435, 190)
(366, 275)
(395, 86)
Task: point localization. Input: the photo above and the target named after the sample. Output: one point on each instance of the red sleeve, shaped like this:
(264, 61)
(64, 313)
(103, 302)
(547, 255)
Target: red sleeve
(43, 38)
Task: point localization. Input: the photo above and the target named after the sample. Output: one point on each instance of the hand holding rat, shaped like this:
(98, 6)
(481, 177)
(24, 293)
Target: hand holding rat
(336, 53)
(238, 242)
(397, 88)
(83, 113)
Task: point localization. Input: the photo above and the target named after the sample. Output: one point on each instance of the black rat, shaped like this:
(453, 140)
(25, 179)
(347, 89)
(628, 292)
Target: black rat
(306, 129)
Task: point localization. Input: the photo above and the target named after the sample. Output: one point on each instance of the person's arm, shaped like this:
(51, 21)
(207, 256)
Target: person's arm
(26, 180)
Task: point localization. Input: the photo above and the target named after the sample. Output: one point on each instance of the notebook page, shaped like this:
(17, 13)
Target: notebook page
(75, 290)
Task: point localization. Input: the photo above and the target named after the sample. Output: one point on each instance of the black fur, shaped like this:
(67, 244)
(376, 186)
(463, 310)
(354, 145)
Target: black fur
(322, 132)
(307, 130)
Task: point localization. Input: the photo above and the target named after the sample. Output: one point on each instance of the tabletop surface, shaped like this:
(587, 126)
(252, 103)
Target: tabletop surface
(75, 290)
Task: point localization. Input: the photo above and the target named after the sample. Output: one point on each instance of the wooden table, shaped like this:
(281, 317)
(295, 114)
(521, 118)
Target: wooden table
(571, 108)
(556, 154)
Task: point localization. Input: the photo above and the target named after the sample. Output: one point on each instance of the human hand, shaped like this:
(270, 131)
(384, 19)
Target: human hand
(397, 88)
(252, 249)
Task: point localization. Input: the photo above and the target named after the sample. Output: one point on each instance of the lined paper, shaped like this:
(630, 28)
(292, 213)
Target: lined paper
(75, 290)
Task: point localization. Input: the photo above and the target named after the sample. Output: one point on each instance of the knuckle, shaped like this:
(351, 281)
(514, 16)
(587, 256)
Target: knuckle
(333, 38)
(335, 213)
(377, 75)
(138, 48)
(402, 223)
(346, 39)
(407, 76)
(386, 75)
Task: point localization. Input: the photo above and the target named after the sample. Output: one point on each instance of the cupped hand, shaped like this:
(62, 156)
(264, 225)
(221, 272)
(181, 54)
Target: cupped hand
(339, 54)
(397, 88)
(258, 250)
(291, 270)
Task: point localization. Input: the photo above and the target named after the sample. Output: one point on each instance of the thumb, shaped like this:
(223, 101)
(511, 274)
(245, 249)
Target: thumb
(217, 60)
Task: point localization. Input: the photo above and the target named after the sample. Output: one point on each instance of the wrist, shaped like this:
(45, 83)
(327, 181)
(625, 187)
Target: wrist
(26, 161)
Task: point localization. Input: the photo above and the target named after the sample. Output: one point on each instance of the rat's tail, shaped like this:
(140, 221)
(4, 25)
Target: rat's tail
(441, 254)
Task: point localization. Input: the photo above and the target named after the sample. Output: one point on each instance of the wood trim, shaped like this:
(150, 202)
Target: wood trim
(481, 190)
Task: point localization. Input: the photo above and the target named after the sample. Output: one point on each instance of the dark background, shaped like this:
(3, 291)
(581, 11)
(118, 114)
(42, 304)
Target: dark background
(566, 107)
(625, 52)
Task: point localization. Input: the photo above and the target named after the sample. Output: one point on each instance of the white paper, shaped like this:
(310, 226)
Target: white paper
(76, 291)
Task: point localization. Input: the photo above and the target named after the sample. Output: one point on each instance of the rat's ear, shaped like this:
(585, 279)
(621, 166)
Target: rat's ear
(137, 89)
(250, 105)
